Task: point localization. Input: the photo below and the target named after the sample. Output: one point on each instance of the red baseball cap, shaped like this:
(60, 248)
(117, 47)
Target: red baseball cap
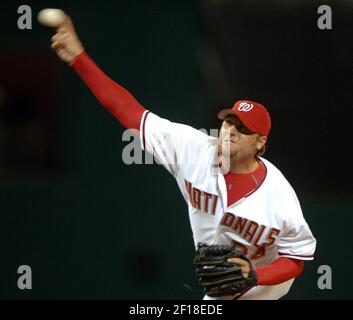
(252, 114)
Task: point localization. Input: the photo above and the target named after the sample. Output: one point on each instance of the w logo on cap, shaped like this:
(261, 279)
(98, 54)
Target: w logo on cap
(245, 107)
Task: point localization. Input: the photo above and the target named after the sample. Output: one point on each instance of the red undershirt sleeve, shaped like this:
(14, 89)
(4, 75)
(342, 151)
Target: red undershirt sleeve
(116, 99)
(279, 271)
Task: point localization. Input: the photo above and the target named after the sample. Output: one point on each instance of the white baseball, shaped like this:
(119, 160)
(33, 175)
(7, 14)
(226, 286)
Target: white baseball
(51, 17)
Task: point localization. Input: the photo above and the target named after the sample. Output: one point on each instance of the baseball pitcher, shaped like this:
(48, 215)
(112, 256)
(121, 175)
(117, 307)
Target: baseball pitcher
(249, 232)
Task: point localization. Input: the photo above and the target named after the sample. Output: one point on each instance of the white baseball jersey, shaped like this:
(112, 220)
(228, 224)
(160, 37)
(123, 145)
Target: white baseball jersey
(266, 224)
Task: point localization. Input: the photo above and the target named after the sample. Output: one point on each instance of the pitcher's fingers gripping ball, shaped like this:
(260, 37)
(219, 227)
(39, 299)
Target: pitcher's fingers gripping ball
(65, 42)
(217, 275)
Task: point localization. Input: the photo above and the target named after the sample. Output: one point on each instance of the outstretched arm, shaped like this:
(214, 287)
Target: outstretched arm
(116, 99)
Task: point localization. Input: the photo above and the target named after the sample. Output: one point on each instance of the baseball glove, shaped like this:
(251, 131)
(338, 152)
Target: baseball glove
(219, 277)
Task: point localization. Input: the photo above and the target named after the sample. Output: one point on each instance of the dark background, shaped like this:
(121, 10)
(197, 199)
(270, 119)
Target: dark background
(92, 227)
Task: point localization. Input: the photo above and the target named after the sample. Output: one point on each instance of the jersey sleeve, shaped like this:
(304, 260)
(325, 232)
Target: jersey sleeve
(296, 240)
(171, 144)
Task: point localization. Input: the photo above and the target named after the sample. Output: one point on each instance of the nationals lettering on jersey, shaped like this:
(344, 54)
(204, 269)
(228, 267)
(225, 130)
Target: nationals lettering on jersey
(266, 224)
(259, 236)
(201, 200)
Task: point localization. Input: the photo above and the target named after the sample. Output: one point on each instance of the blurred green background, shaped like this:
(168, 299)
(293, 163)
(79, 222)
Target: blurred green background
(92, 227)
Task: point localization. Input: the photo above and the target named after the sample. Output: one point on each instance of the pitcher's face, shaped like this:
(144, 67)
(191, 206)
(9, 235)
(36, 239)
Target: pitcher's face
(237, 140)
